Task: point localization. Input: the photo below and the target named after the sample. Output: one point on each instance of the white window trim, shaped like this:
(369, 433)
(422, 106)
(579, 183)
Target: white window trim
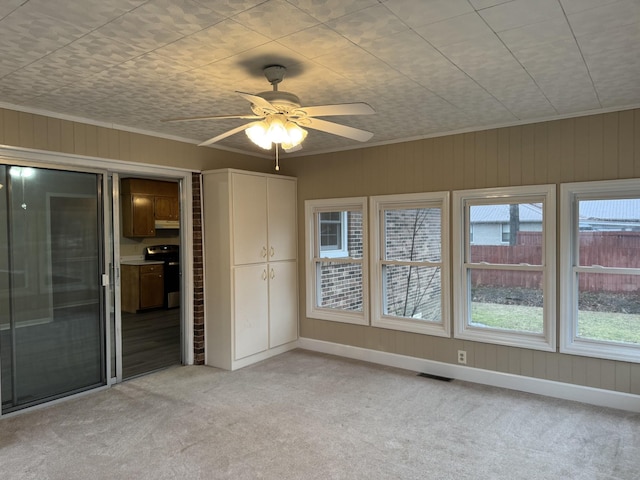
(339, 252)
(311, 208)
(569, 342)
(413, 200)
(461, 305)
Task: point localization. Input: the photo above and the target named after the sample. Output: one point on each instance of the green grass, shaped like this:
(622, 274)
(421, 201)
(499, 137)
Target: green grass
(616, 327)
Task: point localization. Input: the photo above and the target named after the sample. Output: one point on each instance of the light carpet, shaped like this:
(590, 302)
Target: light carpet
(304, 415)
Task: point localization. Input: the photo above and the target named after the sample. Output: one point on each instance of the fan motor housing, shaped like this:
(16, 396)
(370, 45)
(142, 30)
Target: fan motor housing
(283, 101)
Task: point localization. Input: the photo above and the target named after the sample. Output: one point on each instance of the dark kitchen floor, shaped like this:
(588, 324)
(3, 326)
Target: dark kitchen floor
(150, 341)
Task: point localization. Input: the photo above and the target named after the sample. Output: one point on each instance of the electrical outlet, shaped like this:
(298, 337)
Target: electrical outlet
(462, 357)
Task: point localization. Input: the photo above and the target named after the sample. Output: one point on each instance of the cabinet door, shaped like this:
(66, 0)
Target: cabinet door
(283, 303)
(251, 310)
(249, 217)
(151, 286)
(282, 219)
(143, 221)
(166, 208)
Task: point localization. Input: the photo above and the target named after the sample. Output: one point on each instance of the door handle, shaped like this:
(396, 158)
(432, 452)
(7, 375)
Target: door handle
(264, 274)
(271, 252)
(272, 275)
(263, 254)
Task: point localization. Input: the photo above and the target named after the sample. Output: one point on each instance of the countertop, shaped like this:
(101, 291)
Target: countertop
(141, 262)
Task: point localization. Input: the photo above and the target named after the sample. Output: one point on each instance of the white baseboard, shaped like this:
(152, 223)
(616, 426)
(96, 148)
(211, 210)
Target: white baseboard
(567, 391)
(258, 357)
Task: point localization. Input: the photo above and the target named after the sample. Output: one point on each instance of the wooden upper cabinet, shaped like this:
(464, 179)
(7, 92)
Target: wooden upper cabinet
(137, 216)
(145, 201)
(167, 208)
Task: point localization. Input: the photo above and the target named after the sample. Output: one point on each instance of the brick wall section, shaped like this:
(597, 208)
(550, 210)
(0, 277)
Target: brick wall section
(413, 235)
(198, 284)
(341, 283)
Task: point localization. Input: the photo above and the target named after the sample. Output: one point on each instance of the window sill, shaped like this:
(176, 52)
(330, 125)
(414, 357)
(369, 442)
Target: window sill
(437, 329)
(595, 349)
(355, 318)
(508, 338)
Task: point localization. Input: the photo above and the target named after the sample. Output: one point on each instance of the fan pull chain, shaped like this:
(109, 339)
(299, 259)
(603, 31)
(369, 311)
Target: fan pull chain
(277, 159)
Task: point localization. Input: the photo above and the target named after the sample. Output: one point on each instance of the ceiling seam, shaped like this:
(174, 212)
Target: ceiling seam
(566, 17)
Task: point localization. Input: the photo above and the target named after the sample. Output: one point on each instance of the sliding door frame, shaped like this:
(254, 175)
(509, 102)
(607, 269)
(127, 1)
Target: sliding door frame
(114, 168)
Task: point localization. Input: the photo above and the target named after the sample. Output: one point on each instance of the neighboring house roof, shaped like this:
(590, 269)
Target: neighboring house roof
(529, 212)
(627, 210)
(591, 211)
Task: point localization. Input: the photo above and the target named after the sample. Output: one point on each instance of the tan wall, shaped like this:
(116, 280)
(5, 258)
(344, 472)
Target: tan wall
(597, 147)
(27, 130)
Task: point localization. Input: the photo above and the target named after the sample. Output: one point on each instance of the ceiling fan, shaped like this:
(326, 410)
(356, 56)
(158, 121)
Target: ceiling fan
(279, 117)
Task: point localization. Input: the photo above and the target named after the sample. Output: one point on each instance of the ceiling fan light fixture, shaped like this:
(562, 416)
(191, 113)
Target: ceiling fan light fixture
(296, 136)
(258, 134)
(277, 132)
(276, 129)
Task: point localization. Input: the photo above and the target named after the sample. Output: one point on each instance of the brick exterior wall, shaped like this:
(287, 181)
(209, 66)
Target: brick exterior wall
(198, 284)
(341, 283)
(413, 235)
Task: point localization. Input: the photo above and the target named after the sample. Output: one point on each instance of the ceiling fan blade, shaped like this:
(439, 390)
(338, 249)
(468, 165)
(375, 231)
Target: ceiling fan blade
(359, 108)
(337, 129)
(294, 149)
(210, 117)
(226, 134)
(259, 101)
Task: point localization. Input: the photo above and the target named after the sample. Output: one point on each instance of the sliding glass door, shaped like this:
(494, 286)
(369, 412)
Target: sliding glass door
(51, 295)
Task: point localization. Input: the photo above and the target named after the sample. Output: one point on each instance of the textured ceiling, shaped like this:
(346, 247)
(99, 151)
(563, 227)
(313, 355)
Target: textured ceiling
(426, 66)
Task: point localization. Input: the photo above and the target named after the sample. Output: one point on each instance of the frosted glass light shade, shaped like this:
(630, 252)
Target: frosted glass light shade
(258, 135)
(296, 136)
(276, 129)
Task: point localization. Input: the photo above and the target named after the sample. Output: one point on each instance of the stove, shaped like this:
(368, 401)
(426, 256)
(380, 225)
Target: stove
(170, 255)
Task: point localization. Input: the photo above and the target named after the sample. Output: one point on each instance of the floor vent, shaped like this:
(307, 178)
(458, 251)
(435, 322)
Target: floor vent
(435, 377)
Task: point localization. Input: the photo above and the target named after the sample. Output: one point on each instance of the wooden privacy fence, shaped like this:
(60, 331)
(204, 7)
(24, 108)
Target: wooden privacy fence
(608, 249)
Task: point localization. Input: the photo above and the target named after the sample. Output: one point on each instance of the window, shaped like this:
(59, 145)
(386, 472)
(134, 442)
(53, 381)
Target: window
(336, 250)
(601, 269)
(504, 290)
(409, 238)
(333, 234)
(506, 232)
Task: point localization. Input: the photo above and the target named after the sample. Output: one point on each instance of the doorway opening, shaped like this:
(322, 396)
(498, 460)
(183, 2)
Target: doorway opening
(150, 275)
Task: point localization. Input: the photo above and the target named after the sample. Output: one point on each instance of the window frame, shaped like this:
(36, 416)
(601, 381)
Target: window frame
(571, 193)
(378, 204)
(314, 257)
(462, 199)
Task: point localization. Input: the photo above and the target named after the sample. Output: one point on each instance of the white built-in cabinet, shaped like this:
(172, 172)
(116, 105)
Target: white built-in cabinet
(250, 252)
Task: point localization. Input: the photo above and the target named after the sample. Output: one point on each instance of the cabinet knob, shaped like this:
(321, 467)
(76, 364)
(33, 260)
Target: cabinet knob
(264, 274)
(263, 254)
(271, 252)
(273, 274)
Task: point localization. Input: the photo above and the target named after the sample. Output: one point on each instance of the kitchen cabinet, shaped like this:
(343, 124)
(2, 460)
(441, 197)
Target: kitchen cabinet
(166, 208)
(137, 216)
(251, 298)
(146, 201)
(142, 286)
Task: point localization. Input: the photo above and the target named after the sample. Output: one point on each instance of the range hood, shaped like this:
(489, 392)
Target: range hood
(167, 224)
